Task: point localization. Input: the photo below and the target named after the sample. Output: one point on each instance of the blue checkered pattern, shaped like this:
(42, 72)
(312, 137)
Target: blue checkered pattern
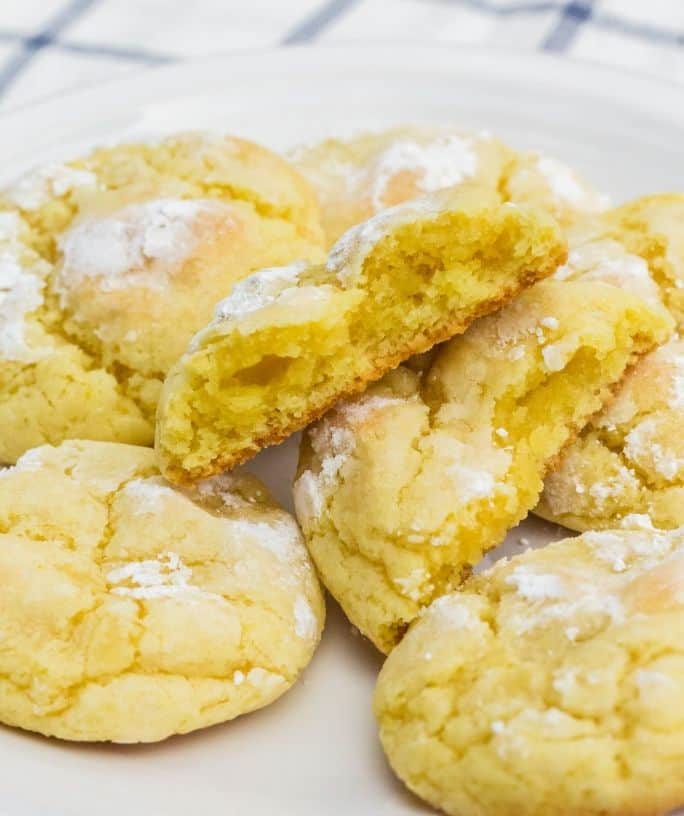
(50, 45)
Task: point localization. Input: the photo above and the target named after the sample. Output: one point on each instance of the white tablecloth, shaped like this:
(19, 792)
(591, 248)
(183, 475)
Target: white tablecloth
(50, 45)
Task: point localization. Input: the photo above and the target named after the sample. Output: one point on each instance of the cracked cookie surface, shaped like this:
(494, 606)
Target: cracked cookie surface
(131, 611)
(358, 177)
(109, 264)
(401, 491)
(629, 459)
(291, 341)
(551, 684)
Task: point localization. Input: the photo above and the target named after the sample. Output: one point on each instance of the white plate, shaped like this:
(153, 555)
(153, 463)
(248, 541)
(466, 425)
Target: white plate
(315, 752)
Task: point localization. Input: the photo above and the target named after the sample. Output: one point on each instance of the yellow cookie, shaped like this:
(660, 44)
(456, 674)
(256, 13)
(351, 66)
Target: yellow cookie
(358, 177)
(651, 228)
(401, 491)
(130, 611)
(552, 684)
(289, 342)
(110, 263)
(535, 178)
(629, 459)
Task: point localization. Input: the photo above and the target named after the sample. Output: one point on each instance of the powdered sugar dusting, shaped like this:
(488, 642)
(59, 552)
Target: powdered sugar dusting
(565, 185)
(450, 611)
(613, 486)
(223, 488)
(162, 577)
(38, 186)
(645, 445)
(442, 162)
(579, 593)
(149, 494)
(411, 585)
(281, 537)
(306, 625)
(259, 290)
(21, 292)
(264, 679)
(534, 586)
(141, 245)
(618, 549)
(22, 280)
(609, 262)
(333, 440)
(476, 467)
(473, 482)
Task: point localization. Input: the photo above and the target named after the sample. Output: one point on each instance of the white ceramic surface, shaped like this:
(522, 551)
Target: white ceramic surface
(315, 752)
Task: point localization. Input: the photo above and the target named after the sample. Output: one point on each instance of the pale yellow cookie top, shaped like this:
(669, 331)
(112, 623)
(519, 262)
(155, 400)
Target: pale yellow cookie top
(445, 456)
(131, 610)
(551, 684)
(110, 262)
(648, 227)
(630, 458)
(358, 177)
(609, 261)
(535, 178)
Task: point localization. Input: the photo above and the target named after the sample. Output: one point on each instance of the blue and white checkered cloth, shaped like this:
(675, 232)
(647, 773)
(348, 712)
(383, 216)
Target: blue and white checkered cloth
(50, 45)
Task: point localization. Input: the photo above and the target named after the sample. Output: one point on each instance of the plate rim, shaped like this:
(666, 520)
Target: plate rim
(559, 64)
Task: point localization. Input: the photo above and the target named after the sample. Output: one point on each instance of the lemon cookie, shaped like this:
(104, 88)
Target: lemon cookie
(535, 178)
(628, 460)
(553, 683)
(109, 264)
(401, 491)
(358, 177)
(650, 228)
(289, 342)
(130, 611)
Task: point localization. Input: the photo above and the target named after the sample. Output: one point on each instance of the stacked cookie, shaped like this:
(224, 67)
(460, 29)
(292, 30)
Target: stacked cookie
(467, 334)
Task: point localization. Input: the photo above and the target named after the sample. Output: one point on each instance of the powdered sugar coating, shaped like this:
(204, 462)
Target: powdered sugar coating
(534, 586)
(163, 577)
(262, 289)
(306, 624)
(566, 186)
(441, 162)
(21, 292)
(477, 468)
(609, 261)
(581, 593)
(333, 443)
(22, 283)
(451, 612)
(141, 245)
(630, 459)
(149, 495)
(281, 538)
(642, 447)
(40, 185)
